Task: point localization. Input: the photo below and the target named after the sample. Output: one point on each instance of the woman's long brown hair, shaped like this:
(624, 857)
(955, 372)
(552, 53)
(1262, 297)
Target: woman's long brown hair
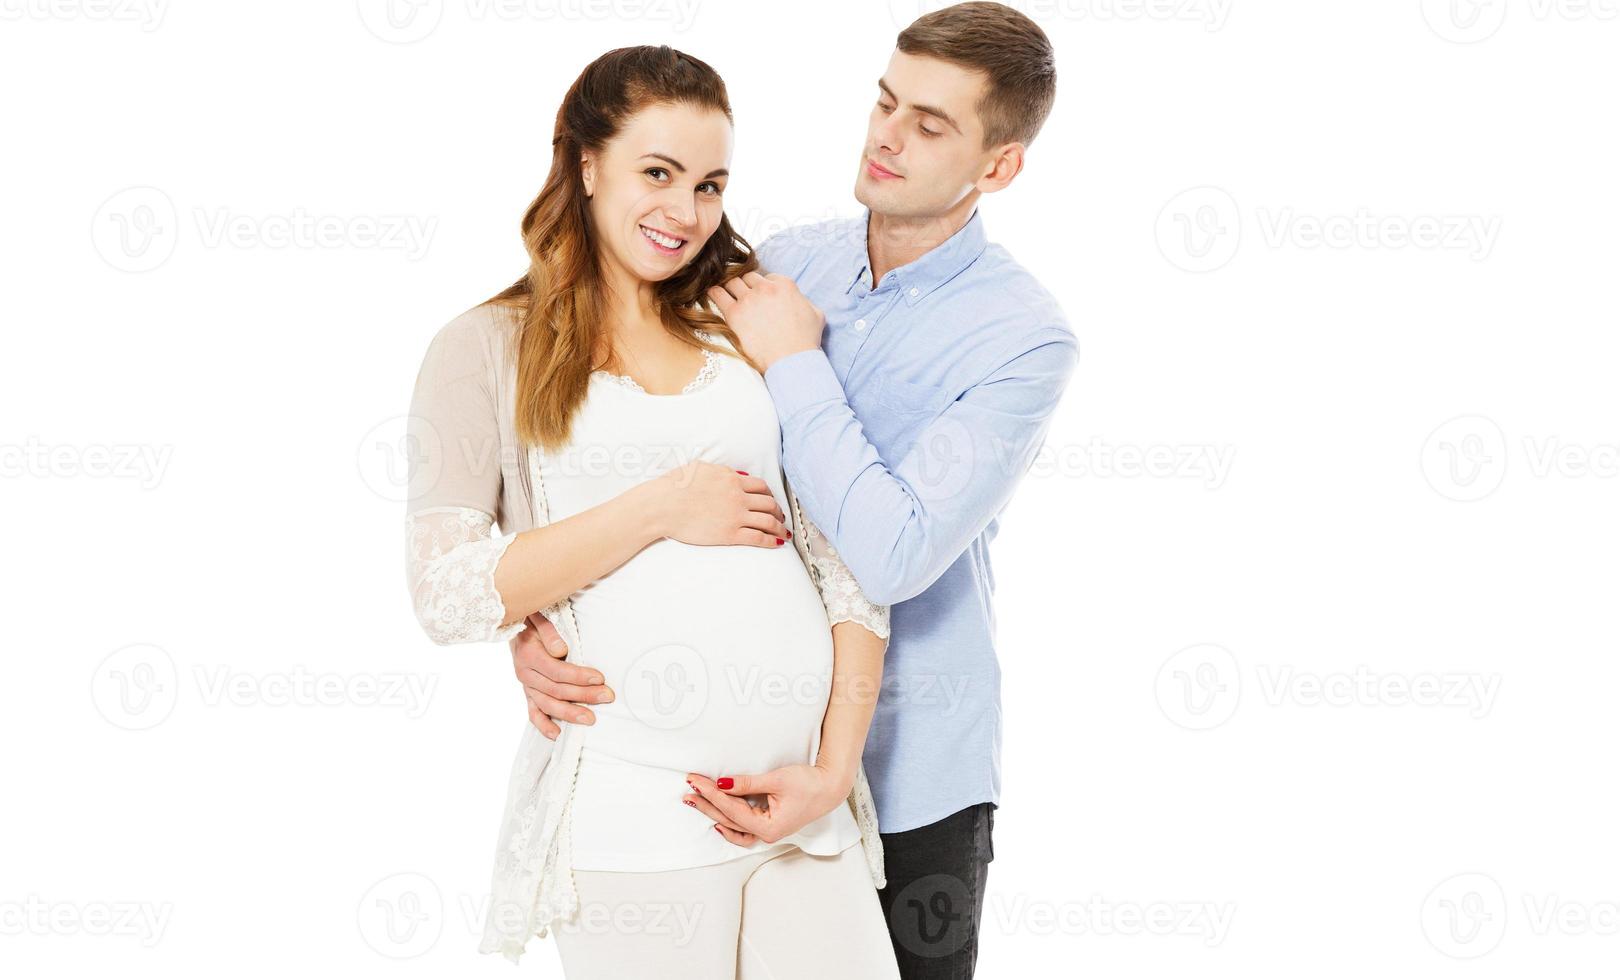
(561, 297)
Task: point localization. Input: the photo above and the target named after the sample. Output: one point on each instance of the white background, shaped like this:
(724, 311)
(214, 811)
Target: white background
(1214, 762)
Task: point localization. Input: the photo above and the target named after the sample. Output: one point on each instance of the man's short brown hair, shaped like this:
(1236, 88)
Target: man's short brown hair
(1011, 50)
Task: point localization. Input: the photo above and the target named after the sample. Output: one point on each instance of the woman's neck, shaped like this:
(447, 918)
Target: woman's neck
(630, 308)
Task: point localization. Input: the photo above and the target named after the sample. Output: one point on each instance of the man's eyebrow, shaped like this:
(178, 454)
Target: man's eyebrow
(681, 168)
(924, 109)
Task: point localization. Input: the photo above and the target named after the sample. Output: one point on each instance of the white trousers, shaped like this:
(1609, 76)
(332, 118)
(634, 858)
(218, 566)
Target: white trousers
(780, 914)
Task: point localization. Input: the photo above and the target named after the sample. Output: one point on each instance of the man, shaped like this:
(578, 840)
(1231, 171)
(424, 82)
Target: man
(914, 368)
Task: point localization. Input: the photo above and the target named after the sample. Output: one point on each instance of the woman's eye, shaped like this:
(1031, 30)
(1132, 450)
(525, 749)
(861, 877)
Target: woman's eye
(654, 171)
(713, 188)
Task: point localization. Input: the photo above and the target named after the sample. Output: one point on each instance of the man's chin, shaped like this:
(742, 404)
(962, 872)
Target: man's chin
(874, 197)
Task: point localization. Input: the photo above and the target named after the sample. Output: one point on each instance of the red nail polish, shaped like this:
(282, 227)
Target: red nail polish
(724, 782)
(690, 804)
(778, 540)
(717, 830)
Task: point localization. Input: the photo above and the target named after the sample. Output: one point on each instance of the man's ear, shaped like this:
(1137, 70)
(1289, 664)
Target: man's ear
(1006, 164)
(587, 172)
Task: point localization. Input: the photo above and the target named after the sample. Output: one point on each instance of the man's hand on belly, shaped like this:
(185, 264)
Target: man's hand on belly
(555, 689)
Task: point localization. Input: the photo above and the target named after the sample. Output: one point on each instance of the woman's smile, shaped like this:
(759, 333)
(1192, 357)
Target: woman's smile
(662, 243)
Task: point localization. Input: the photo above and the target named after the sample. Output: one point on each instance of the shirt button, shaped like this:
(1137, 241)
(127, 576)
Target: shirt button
(860, 324)
(913, 290)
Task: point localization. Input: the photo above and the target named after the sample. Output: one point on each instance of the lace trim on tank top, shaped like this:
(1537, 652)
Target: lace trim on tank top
(706, 374)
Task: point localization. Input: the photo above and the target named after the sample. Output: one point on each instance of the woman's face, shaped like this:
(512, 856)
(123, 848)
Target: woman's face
(655, 189)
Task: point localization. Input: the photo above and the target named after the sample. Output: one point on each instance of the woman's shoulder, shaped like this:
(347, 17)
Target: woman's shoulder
(717, 339)
(480, 335)
(470, 344)
(485, 322)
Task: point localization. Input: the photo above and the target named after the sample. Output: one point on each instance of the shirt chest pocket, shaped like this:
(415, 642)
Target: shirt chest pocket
(900, 410)
(909, 397)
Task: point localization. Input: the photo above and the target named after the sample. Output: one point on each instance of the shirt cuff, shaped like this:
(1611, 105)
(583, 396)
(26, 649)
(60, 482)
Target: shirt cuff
(800, 380)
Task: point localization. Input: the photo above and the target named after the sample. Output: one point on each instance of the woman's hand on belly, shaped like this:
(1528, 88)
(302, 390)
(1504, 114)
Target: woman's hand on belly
(794, 796)
(709, 504)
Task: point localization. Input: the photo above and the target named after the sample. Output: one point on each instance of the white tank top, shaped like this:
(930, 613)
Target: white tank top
(720, 657)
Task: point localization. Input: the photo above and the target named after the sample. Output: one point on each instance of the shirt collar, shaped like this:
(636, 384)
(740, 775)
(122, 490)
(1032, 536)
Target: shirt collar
(926, 273)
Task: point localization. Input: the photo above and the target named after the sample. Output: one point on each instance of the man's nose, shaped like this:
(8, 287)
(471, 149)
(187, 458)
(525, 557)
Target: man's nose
(886, 134)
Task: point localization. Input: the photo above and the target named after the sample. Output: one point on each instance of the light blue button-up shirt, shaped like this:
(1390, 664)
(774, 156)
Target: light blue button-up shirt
(904, 438)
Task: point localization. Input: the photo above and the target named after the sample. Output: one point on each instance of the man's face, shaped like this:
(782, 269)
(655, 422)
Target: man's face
(924, 140)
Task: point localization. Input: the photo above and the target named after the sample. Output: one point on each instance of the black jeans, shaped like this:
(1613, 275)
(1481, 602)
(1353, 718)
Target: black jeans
(934, 897)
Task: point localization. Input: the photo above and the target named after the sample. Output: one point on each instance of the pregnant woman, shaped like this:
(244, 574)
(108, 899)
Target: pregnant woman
(606, 422)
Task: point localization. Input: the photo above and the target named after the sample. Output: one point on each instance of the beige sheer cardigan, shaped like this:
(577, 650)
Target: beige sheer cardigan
(468, 475)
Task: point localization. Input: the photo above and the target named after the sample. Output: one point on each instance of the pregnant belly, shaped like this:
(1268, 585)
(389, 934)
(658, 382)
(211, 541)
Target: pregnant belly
(720, 658)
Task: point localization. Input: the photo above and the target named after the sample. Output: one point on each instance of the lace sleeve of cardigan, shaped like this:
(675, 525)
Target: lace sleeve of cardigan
(454, 487)
(450, 559)
(840, 593)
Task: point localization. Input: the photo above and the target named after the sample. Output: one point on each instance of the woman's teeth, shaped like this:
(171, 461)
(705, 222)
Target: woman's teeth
(661, 239)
